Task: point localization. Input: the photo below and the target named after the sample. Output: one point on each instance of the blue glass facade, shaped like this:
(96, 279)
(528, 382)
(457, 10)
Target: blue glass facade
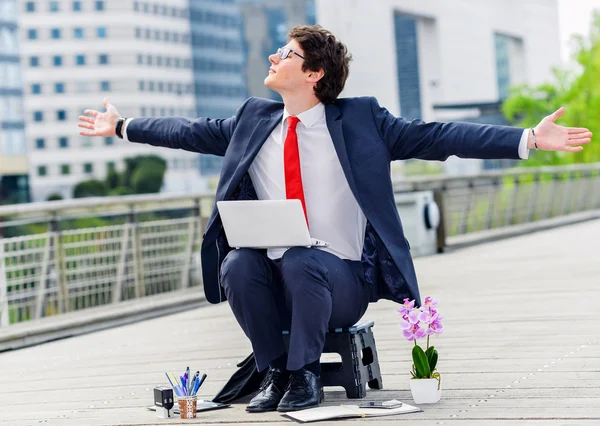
(407, 55)
(277, 30)
(218, 64)
(13, 180)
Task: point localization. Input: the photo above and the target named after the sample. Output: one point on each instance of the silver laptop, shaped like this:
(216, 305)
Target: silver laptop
(266, 224)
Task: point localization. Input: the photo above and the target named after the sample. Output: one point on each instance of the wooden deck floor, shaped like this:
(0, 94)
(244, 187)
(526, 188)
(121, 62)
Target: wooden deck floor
(521, 347)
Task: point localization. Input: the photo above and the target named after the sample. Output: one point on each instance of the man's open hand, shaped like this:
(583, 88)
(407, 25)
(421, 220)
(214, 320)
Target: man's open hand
(553, 137)
(99, 123)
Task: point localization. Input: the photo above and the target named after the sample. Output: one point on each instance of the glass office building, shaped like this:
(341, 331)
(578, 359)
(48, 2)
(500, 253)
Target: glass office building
(14, 186)
(218, 64)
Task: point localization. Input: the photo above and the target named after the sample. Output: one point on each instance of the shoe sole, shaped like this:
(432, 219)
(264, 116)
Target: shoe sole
(260, 410)
(288, 409)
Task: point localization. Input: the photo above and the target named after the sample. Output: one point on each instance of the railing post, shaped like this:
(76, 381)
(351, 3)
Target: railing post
(195, 225)
(438, 197)
(508, 220)
(596, 198)
(117, 291)
(462, 228)
(4, 317)
(533, 198)
(493, 193)
(586, 177)
(138, 262)
(567, 193)
(59, 263)
(548, 212)
(40, 297)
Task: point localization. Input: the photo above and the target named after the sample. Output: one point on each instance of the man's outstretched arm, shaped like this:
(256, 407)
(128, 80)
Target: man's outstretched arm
(202, 135)
(437, 141)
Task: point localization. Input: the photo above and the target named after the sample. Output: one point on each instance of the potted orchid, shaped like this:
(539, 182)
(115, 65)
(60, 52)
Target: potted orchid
(417, 323)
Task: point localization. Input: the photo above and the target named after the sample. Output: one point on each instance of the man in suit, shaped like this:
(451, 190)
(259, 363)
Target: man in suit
(334, 155)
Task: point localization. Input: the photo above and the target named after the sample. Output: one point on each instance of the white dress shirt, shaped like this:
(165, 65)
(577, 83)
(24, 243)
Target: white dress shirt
(333, 213)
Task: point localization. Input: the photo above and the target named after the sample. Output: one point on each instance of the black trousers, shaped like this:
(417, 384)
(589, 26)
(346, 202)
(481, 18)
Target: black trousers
(307, 291)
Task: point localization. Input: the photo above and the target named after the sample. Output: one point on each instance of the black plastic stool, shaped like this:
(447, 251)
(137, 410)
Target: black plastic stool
(359, 366)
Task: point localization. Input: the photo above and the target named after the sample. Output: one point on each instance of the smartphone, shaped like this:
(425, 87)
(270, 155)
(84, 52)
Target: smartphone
(394, 403)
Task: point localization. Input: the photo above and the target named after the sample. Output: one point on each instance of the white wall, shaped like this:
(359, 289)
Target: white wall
(456, 45)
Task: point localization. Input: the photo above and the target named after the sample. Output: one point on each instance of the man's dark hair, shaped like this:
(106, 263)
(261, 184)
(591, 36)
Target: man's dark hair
(323, 51)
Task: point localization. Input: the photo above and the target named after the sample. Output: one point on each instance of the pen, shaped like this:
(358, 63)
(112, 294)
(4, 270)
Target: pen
(202, 380)
(188, 380)
(196, 386)
(183, 385)
(176, 387)
(193, 382)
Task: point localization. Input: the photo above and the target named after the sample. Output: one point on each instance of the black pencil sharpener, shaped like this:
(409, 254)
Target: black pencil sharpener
(164, 401)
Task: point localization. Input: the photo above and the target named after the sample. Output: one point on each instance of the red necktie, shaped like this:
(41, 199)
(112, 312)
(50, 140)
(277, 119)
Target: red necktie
(291, 165)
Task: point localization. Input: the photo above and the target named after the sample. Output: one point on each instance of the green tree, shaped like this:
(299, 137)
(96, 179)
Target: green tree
(577, 90)
(112, 179)
(54, 196)
(147, 178)
(89, 188)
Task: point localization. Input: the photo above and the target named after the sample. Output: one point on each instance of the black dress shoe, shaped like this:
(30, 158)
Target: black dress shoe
(270, 393)
(304, 390)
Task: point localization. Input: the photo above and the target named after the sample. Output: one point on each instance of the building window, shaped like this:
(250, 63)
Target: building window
(80, 60)
(32, 34)
(136, 6)
(61, 115)
(30, 6)
(59, 87)
(38, 116)
(34, 61)
(101, 32)
(140, 59)
(78, 32)
(36, 88)
(77, 6)
(502, 64)
(141, 85)
(110, 166)
(88, 168)
(138, 33)
(53, 6)
(105, 86)
(42, 171)
(103, 59)
(109, 141)
(99, 5)
(55, 33)
(63, 142)
(57, 61)
(40, 143)
(65, 169)
(407, 65)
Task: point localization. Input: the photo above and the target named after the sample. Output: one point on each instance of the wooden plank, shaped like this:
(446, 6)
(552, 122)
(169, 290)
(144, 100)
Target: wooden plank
(520, 347)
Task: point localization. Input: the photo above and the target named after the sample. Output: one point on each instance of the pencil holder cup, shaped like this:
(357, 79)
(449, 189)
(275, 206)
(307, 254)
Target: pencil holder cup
(187, 407)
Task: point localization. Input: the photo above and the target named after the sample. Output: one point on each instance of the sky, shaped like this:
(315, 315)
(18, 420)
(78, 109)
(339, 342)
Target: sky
(574, 17)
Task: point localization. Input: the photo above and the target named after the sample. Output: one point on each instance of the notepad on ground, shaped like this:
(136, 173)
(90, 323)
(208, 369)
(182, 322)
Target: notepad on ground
(347, 411)
(266, 224)
(200, 406)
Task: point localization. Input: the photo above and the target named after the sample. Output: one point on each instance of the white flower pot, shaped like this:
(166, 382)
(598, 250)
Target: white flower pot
(425, 391)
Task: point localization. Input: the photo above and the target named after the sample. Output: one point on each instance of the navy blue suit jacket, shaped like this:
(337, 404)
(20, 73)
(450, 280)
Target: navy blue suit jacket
(366, 138)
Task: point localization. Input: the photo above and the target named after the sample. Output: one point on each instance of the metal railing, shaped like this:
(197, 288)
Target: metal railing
(62, 270)
(510, 197)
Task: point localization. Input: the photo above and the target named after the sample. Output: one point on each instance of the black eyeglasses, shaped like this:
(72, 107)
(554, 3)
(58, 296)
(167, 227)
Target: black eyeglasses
(284, 53)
